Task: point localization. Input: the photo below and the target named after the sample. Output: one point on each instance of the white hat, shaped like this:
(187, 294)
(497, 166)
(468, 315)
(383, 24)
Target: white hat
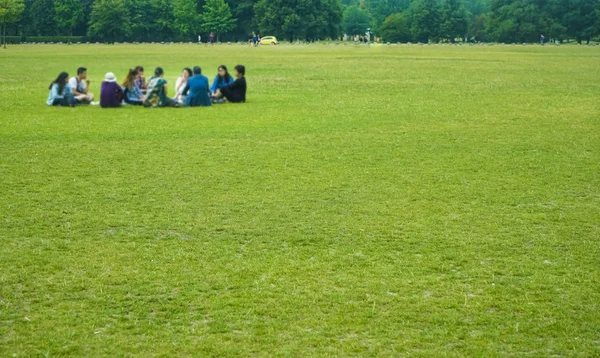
(110, 77)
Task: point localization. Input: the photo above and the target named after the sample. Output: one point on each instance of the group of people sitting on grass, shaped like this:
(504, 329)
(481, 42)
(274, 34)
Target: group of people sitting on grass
(192, 89)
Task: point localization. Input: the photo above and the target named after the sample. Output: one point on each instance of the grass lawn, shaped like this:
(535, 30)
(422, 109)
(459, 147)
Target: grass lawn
(382, 201)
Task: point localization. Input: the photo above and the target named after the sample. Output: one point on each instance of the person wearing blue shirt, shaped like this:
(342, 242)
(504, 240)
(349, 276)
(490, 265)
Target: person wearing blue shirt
(197, 90)
(223, 79)
(60, 93)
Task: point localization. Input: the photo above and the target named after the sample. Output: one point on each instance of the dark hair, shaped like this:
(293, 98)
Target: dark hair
(158, 72)
(60, 80)
(139, 69)
(130, 78)
(241, 69)
(81, 70)
(197, 70)
(188, 70)
(227, 75)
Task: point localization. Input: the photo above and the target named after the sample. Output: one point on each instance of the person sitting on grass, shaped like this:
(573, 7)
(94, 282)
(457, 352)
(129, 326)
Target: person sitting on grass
(60, 93)
(157, 91)
(111, 94)
(140, 80)
(222, 79)
(133, 95)
(196, 90)
(235, 92)
(80, 85)
(181, 83)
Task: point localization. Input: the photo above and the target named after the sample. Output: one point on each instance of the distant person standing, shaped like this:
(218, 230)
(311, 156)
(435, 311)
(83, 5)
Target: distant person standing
(80, 85)
(255, 40)
(199, 39)
(250, 39)
(211, 38)
(542, 38)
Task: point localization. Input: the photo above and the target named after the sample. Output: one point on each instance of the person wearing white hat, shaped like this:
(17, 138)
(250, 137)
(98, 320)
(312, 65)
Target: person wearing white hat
(111, 94)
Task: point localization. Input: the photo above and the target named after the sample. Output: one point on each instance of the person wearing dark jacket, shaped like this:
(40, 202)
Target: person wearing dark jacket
(197, 90)
(111, 94)
(235, 92)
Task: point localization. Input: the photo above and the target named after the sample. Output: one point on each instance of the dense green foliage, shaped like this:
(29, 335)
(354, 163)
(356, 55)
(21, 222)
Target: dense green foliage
(45, 39)
(427, 20)
(383, 201)
(217, 17)
(110, 20)
(356, 21)
(68, 14)
(302, 19)
(395, 28)
(187, 20)
(10, 10)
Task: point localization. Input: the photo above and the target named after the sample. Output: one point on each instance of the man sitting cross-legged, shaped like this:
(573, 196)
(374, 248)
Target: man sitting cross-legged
(80, 85)
(235, 92)
(196, 90)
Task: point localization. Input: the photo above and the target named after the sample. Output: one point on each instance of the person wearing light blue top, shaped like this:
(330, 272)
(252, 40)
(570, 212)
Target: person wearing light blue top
(60, 93)
(223, 79)
(196, 90)
(133, 94)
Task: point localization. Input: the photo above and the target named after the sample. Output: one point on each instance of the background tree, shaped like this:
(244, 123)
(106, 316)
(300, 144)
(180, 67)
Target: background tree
(347, 3)
(298, 19)
(477, 28)
(69, 13)
(279, 18)
(477, 7)
(186, 16)
(271, 22)
(395, 28)
(142, 14)
(217, 17)
(322, 18)
(162, 20)
(515, 21)
(356, 21)
(40, 18)
(109, 20)
(10, 10)
(379, 10)
(581, 19)
(426, 20)
(454, 20)
(332, 12)
(243, 11)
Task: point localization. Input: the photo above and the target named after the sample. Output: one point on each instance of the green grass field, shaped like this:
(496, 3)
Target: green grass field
(382, 201)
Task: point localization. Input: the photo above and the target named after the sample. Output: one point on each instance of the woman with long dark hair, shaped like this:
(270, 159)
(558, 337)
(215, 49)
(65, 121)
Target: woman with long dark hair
(140, 80)
(60, 93)
(181, 83)
(222, 79)
(133, 94)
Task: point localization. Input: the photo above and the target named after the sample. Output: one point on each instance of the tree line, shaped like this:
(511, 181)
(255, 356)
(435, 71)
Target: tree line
(306, 20)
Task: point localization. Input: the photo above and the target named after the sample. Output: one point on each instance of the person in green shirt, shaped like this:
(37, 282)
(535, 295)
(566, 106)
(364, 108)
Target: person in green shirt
(156, 96)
